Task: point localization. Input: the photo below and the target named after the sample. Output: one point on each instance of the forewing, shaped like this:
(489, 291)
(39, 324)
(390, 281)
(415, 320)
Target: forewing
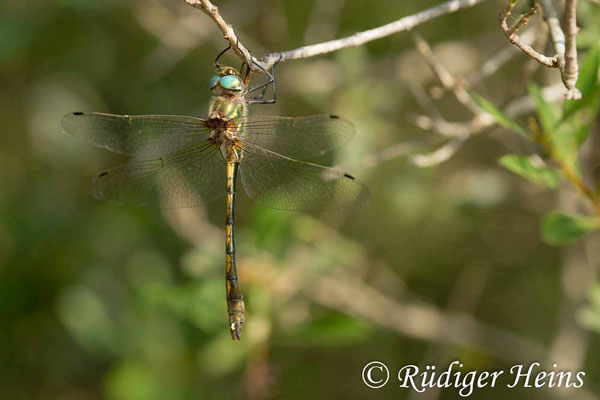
(283, 183)
(185, 178)
(142, 135)
(299, 138)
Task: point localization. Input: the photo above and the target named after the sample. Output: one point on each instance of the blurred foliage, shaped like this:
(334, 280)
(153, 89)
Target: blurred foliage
(590, 314)
(527, 167)
(559, 228)
(560, 136)
(120, 303)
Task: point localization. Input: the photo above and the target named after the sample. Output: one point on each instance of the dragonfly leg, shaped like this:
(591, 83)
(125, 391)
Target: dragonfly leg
(247, 74)
(217, 66)
(271, 80)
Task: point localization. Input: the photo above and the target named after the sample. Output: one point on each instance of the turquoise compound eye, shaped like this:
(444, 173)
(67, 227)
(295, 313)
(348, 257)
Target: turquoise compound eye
(213, 81)
(230, 82)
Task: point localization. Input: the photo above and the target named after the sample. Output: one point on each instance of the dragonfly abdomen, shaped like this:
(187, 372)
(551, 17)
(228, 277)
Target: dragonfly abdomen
(235, 302)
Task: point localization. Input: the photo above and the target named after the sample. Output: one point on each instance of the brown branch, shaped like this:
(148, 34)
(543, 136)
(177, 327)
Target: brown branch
(523, 21)
(403, 24)
(228, 33)
(495, 62)
(565, 58)
(511, 35)
(556, 33)
(564, 47)
(440, 155)
(357, 39)
(570, 72)
(421, 321)
(447, 80)
(458, 132)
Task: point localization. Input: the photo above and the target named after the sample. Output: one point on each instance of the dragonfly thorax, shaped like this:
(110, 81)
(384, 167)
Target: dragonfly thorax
(225, 117)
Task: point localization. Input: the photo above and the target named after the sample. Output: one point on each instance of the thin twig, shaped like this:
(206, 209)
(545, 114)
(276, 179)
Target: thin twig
(511, 35)
(360, 38)
(495, 62)
(518, 85)
(565, 58)
(461, 131)
(423, 99)
(447, 80)
(357, 39)
(458, 131)
(440, 155)
(389, 153)
(454, 130)
(421, 321)
(556, 33)
(228, 33)
(568, 69)
(523, 20)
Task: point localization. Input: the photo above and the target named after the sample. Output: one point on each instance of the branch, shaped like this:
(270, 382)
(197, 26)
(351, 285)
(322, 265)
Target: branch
(357, 39)
(564, 48)
(360, 38)
(458, 132)
(228, 33)
(565, 58)
(556, 34)
(511, 35)
(569, 74)
(448, 81)
(421, 321)
(495, 62)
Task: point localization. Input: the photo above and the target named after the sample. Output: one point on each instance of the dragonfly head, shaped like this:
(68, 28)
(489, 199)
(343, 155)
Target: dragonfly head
(226, 81)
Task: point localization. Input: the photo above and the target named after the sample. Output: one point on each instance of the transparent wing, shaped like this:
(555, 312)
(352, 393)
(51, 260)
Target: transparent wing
(185, 178)
(145, 135)
(299, 138)
(282, 183)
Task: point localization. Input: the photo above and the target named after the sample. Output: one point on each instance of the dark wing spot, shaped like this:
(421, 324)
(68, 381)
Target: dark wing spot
(101, 174)
(334, 117)
(77, 113)
(349, 176)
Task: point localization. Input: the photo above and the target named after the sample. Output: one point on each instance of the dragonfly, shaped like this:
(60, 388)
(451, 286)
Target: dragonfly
(180, 161)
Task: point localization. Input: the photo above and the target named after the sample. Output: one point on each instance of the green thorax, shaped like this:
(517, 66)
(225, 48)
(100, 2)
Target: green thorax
(229, 108)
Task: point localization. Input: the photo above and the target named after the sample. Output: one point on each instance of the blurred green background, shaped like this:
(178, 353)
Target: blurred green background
(107, 302)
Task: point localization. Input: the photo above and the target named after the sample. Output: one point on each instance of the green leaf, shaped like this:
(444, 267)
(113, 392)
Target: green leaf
(524, 166)
(498, 115)
(563, 140)
(558, 228)
(546, 112)
(562, 137)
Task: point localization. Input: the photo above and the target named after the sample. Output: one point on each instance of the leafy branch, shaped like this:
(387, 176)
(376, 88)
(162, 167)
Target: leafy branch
(559, 135)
